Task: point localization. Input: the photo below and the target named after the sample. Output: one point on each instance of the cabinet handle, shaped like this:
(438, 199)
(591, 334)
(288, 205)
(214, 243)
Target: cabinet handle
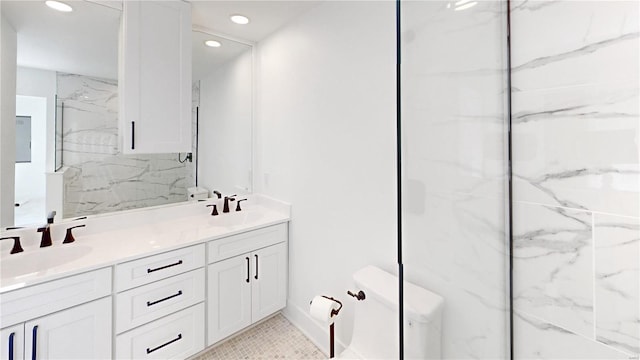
(34, 342)
(11, 336)
(256, 277)
(133, 135)
(149, 303)
(248, 268)
(164, 267)
(149, 351)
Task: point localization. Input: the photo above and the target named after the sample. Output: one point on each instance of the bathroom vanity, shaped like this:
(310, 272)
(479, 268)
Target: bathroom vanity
(168, 282)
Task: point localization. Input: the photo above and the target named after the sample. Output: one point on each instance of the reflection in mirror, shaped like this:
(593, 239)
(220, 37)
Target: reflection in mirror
(67, 77)
(67, 82)
(222, 92)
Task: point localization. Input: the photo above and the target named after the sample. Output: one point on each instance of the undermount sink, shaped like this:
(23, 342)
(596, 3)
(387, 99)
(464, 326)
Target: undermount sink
(31, 262)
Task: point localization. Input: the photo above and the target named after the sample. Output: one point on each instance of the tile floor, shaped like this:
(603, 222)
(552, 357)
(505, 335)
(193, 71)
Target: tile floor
(275, 338)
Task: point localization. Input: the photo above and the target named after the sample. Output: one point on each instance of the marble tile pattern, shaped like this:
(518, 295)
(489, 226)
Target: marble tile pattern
(576, 167)
(100, 178)
(275, 338)
(617, 285)
(552, 266)
(454, 133)
(575, 104)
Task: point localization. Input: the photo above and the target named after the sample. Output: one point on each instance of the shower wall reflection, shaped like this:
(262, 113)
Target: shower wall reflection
(97, 177)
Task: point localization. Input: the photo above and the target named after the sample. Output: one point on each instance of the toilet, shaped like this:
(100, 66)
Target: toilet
(375, 328)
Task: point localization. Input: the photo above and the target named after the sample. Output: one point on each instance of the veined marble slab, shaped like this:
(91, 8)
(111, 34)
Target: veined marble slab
(553, 266)
(617, 270)
(535, 338)
(576, 104)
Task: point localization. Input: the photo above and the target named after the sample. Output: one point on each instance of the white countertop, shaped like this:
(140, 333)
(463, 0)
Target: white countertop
(120, 237)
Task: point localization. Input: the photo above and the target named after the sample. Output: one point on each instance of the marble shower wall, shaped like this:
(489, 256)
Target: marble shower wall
(576, 179)
(454, 136)
(99, 178)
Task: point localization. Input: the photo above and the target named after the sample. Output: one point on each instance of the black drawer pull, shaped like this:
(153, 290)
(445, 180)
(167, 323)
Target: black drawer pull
(256, 277)
(149, 351)
(11, 345)
(248, 269)
(149, 303)
(133, 135)
(34, 342)
(164, 267)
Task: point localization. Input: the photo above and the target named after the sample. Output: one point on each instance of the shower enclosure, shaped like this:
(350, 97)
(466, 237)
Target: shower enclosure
(520, 174)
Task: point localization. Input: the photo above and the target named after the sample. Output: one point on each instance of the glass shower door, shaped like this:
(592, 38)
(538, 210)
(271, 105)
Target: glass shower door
(454, 176)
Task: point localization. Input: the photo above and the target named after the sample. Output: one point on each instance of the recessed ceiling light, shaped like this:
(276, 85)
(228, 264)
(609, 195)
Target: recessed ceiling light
(464, 4)
(60, 6)
(212, 43)
(240, 19)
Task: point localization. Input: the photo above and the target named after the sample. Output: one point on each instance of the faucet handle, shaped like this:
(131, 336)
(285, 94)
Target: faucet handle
(214, 211)
(238, 204)
(17, 248)
(69, 237)
(217, 193)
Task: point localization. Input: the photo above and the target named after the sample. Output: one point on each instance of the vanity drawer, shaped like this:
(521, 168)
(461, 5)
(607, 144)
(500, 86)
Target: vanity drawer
(149, 302)
(176, 336)
(143, 271)
(231, 246)
(38, 300)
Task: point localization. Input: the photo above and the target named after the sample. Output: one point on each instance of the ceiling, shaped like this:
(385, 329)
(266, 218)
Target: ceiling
(85, 41)
(266, 16)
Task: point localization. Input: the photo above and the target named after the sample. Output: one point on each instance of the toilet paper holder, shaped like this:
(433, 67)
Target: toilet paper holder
(334, 312)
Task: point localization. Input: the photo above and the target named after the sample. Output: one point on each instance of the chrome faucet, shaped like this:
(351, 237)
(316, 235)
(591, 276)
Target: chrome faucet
(46, 230)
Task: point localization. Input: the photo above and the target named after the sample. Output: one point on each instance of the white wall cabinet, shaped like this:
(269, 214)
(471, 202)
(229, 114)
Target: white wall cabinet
(155, 77)
(82, 332)
(244, 289)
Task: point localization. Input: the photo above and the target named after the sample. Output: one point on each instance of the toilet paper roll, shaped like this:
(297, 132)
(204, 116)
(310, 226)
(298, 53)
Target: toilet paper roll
(321, 308)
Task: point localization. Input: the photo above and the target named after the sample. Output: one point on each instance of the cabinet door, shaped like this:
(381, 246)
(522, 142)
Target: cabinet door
(82, 332)
(12, 346)
(155, 77)
(269, 281)
(229, 297)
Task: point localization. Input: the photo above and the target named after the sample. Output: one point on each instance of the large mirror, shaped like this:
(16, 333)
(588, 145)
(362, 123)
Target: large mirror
(67, 84)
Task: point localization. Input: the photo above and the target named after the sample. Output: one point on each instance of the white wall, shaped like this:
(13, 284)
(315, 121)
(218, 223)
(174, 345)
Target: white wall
(225, 127)
(41, 83)
(8, 51)
(326, 143)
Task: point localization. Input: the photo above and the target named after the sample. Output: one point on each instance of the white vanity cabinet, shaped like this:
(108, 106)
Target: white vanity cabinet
(69, 318)
(12, 345)
(245, 286)
(154, 78)
(160, 305)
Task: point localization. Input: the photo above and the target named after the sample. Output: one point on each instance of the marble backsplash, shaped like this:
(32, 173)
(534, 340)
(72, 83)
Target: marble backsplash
(576, 174)
(99, 177)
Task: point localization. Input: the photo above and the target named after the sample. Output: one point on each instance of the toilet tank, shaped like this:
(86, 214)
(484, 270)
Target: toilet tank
(375, 330)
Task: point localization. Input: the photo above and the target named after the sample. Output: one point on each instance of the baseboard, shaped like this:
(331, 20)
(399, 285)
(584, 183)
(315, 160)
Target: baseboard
(317, 333)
